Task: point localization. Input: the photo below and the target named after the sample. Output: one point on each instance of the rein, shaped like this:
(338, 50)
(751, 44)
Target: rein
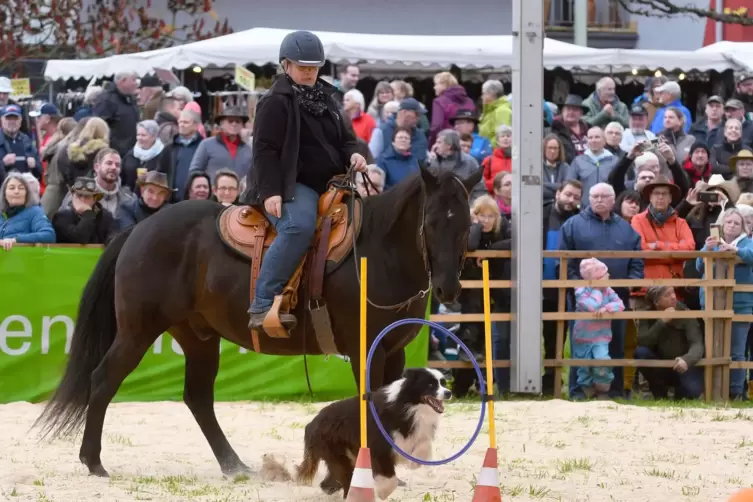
(350, 185)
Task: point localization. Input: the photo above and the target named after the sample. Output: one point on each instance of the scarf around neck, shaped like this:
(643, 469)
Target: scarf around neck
(310, 98)
(149, 154)
(660, 217)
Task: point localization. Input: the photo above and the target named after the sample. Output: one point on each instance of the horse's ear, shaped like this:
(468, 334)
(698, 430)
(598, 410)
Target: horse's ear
(427, 177)
(471, 181)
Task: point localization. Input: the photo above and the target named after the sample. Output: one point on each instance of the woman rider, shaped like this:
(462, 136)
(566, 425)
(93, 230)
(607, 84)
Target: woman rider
(300, 143)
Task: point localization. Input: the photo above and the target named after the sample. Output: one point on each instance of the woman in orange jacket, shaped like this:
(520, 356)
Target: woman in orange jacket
(662, 230)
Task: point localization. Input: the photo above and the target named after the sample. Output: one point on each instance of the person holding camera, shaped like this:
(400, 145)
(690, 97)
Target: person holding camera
(731, 234)
(83, 220)
(648, 155)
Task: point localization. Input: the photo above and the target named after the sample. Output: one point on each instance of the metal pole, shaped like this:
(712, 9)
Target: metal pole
(528, 102)
(719, 25)
(580, 22)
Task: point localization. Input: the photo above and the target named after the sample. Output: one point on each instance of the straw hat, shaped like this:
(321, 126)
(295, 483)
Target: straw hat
(744, 154)
(730, 188)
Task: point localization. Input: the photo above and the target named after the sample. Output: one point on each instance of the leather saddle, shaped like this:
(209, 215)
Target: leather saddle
(248, 232)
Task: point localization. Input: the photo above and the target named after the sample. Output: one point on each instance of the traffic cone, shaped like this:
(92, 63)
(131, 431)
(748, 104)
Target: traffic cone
(362, 483)
(487, 484)
(745, 495)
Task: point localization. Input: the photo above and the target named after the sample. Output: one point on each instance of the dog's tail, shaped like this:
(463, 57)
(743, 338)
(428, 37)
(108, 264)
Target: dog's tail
(307, 470)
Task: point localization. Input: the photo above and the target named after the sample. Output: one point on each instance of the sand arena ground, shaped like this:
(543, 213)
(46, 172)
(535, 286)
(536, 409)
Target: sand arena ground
(549, 450)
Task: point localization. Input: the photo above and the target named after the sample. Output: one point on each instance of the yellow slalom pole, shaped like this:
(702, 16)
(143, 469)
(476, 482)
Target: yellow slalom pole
(363, 353)
(489, 357)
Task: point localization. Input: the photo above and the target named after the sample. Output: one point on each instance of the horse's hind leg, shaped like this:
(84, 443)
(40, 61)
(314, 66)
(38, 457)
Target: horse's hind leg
(202, 365)
(121, 359)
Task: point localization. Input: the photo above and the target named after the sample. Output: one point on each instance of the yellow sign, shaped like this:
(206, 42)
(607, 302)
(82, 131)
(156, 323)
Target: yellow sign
(245, 78)
(21, 87)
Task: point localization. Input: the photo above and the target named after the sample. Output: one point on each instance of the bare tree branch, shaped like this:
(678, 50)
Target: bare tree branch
(45, 29)
(670, 8)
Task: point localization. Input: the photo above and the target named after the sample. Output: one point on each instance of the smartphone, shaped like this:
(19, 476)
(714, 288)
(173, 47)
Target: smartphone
(708, 197)
(714, 232)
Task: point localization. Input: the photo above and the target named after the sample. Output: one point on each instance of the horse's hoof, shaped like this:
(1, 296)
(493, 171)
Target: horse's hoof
(237, 470)
(99, 471)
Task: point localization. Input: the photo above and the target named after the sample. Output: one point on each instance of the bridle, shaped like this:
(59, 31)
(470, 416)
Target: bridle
(350, 185)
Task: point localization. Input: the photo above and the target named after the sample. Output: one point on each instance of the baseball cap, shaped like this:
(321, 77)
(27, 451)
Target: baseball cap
(45, 109)
(9, 110)
(734, 103)
(671, 87)
(411, 104)
(715, 99)
(744, 76)
(637, 109)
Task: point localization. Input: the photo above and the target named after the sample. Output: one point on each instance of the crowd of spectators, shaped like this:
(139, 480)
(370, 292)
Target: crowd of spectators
(616, 176)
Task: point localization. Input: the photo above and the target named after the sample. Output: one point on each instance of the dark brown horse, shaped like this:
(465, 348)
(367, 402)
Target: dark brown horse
(173, 273)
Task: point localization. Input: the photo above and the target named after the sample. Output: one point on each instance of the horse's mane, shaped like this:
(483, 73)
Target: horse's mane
(381, 212)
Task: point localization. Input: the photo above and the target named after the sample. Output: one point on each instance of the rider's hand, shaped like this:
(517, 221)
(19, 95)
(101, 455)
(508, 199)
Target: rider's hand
(273, 205)
(358, 162)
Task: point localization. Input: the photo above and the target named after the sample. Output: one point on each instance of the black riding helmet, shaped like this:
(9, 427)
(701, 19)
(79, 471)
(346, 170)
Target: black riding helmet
(303, 48)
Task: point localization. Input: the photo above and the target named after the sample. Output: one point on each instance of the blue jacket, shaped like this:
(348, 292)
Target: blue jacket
(396, 166)
(30, 226)
(23, 147)
(381, 139)
(182, 154)
(657, 125)
(741, 302)
(481, 148)
(586, 231)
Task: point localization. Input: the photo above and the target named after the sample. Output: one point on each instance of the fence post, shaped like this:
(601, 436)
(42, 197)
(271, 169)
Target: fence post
(708, 328)
(561, 307)
(719, 326)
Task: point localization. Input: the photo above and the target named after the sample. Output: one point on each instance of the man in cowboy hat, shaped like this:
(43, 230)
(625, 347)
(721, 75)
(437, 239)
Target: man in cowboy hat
(571, 128)
(83, 220)
(155, 194)
(226, 149)
(465, 122)
(742, 165)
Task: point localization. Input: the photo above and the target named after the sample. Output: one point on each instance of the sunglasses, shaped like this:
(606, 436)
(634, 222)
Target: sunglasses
(85, 185)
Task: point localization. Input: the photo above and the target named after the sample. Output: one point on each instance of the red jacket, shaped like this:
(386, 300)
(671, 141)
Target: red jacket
(364, 126)
(493, 165)
(694, 175)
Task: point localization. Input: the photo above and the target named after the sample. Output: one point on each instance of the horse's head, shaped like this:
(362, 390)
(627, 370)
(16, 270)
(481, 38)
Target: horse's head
(444, 229)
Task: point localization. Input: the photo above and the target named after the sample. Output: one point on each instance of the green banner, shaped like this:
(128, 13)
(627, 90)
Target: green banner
(38, 304)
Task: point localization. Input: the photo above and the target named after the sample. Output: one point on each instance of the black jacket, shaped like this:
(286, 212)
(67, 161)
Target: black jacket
(277, 129)
(95, 226)
(135, 211)
(122, 114)
(162, 163)
(622, 177)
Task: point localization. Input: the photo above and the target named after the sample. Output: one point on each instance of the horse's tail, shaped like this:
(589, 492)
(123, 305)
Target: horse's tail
(96, 327)
(307, 470)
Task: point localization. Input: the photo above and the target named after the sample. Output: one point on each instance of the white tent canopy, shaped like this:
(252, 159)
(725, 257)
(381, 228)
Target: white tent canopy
(739, 52)
(261, 45)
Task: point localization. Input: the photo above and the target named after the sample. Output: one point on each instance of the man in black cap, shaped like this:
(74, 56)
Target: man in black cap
(637, 131)
(710, 121)
(745, 93)
(118, 108)
(465, 122)
(571, 128)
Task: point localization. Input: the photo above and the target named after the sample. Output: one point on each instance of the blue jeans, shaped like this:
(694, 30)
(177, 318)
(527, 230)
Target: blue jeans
(616, 351)
(688, 385)
(591, 375)
(737, 353)
(501, 351)
(295, 230)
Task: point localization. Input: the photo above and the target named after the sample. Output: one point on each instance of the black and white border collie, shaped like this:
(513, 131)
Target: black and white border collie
(409, 410)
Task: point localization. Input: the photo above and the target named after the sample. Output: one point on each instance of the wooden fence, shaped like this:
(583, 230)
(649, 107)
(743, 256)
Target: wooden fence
(718, 314)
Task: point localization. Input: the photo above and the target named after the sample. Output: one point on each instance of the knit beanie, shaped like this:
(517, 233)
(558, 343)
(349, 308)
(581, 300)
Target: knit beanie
(696, 146)
(592, 269)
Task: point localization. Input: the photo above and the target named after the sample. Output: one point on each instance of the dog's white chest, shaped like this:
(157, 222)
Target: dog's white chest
(418, 443)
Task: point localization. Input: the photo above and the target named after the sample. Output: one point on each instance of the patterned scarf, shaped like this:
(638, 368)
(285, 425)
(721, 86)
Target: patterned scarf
(312, 99)
(660, 217)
